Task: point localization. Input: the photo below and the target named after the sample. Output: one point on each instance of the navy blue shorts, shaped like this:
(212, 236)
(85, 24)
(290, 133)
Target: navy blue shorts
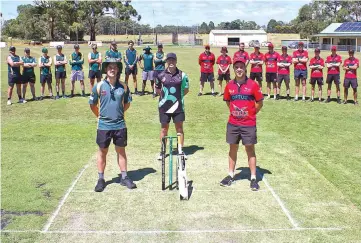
(133, 71)
(14, 79)
(119, 137)
(45, 78)
(95, 74)
(300, 74)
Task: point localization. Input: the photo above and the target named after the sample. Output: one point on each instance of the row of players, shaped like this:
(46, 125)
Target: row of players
(278, 70)
(152, 65)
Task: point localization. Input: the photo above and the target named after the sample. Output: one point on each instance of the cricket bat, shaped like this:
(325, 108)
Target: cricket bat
(181, 172)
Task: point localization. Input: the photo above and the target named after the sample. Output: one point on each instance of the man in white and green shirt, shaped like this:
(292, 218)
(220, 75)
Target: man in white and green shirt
(28, 73)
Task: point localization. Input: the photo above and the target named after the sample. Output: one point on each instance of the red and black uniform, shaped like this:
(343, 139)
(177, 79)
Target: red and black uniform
(351, 75)
(242, 119)
(241, 54)
(300, 71)
(256, 69)
(317, 74)
(270, 60)
(206, 61)
(284, 72)
(333, 73)
(224, 61)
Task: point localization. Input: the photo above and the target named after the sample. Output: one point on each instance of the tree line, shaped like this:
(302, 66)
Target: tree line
(57, 20)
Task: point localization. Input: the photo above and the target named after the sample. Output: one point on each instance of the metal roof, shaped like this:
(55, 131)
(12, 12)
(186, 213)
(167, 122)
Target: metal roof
(330, 31)
(238, 32)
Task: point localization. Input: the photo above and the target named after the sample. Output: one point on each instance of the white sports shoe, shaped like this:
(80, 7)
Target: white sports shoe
(159, 156)
(23, 101)
(9, 102)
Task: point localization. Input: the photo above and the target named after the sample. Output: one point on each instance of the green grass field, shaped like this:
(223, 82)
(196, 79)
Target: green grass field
(308, 157)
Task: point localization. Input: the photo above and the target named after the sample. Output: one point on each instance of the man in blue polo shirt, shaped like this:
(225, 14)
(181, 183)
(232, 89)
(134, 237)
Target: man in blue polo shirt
(14, 76)
(130, 60)
(108, 101)
(28, 73)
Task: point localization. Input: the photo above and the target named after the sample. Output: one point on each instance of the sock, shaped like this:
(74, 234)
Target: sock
(57, 93)
(231, 174)
(124, 174)
(303, 97)
(328, 97)
(212, 91)
(72, 92)
(19, 97)
(136, 90)
(296, 97)
(311, 97)
(253, 177)
(101, 175)
(319, 98)
(63, 92)
(9, 98)
(83, 92)
(288, 95)
(338, 97)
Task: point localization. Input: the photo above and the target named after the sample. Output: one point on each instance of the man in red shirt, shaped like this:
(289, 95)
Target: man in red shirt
(333, 63)
(241, 53)
(284, 63)
(300, 59)
(270, 59)
(256, 61)
(350, 66)
(206, 60)
(244, 99)
(316, 65)
(224, 62)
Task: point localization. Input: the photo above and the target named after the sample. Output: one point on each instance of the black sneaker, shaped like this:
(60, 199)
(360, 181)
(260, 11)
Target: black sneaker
(200, 94)
(127, 182)
(338, 101)
(254, 185)
(227, 181)
(328, 100)
(141, 93)
(83, 95)
(65, 97)
(277, 97)
(100, 185)
(57, 97)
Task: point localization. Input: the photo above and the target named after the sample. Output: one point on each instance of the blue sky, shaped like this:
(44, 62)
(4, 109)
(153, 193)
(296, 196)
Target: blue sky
(187, 12)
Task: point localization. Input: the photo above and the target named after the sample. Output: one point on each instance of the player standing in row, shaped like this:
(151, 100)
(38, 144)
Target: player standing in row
(333, 63)
(206, 60)
(130, 60)
(256, 60)
(159, 64)
(270, 58)
(316, 65)
(60, 71)
(172, 85)
(45, 63)
(244, 99)
(300, 59)
(147, 67)
(14, 75)
(95, 62)
(241, 53)
(109, 100)
(28, 73)
(224, 62)
(76, 61)
(113, 53)
(284, 63)
(350, 66)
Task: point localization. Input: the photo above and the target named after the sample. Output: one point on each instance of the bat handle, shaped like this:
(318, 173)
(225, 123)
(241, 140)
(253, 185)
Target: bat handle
(180, 149)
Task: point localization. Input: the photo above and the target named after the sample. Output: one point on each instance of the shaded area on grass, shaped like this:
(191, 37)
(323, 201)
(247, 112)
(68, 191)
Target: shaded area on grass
(135, 175)
(245, 173)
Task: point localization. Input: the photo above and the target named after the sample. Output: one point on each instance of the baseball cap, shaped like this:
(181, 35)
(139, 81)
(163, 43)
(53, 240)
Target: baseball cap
(239, 59)
(147, 48)
(113, 43)
(284, 47)
(333, 48)
(351, 51)
(12, 48)
(300, 43)
(207, 47)
(59, 47)
(171, 55)
(160, 45)
(76, 46)
(94, 46)
(27, 49)
(44, 50)
(270, 45)
(224, 48)
(317, 49)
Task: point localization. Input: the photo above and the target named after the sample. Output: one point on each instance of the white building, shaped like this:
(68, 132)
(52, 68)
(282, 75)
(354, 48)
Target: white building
(343, 35)
(234, 37)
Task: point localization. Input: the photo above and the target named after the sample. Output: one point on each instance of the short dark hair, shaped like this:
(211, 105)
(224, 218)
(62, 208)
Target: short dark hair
(130, 42)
